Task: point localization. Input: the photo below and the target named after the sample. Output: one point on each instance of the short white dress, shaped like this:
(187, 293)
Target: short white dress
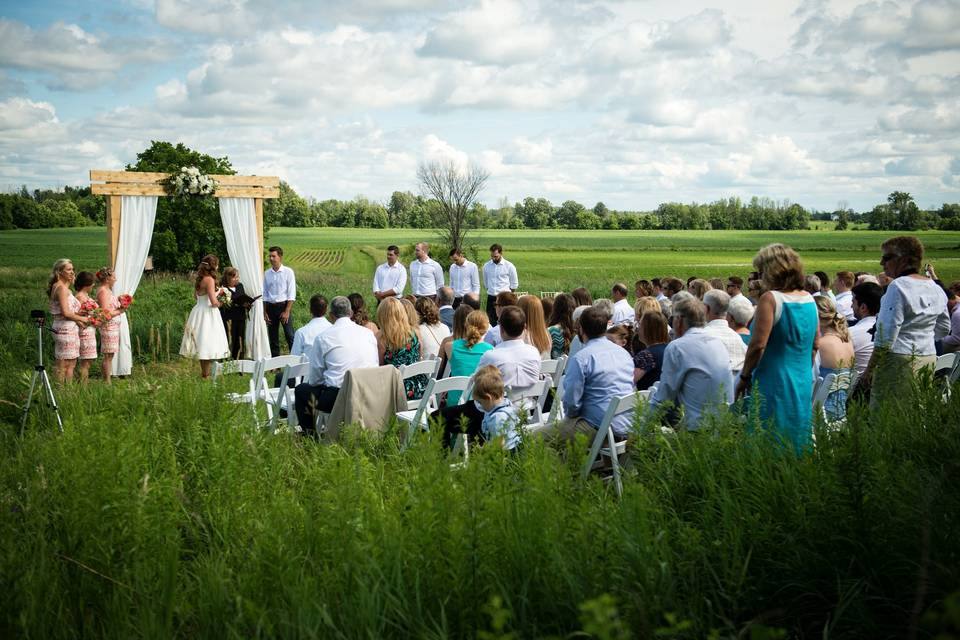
(204, 337)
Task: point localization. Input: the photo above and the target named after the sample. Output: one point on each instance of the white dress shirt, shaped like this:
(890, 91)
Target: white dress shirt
(845, 305)
(862, 341)
(306, 335)
(519, 363)
(622, 312)
(913, 313)
(731, 340)
(425, 277)
(279, 285)
(386, 278)
(340, 348)
(501, 277)
(465, 279)
(695, 374)
(738, 296)
(492, 336)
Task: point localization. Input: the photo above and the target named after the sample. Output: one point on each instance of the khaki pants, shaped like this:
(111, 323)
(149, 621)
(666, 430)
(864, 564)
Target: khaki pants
(893, 377)
(568, 429)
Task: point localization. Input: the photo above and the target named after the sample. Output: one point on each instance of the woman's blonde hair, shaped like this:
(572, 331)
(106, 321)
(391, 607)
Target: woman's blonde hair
(536, 323)
(829, 318)
(207, 267)
(645, 304)
(412, 316)
(58, 268)
(395, 329)
(699, 287)
(781, 269)
(487, 382)
(476, 327)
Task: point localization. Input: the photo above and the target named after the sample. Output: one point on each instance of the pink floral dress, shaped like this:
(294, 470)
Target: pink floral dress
(88, 342)
(66, 333)
(110, 331)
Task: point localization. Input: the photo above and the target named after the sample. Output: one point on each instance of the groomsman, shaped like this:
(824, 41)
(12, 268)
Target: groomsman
(464, 277)
(279, 293)
(390, 278)
(426, 274)
(499, 275)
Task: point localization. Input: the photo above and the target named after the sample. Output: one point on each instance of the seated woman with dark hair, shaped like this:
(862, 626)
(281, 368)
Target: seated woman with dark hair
(432, 331)
(360, 316)
(648, 363)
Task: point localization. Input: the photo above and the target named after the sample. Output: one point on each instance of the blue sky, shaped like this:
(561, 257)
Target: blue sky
(629, 103)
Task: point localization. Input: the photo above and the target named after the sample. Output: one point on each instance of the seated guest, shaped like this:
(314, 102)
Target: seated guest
(811, 284)
(951, 342)
(432, 331)
(561, 325)
(472, 300)
(643, 288)
(576, 344)
(835, 355)
(696, 366)
(536, 332)
(843, 283)
(459, 331)
(863, 276)
(445, 302)
(825, 285)
(657, 287)
(717, 283)
(735, 288)
(622, 336)
(717, 302)
(597, 374)
(398, 343)
(754, 291)
(866, 305)
(466, 350)
(643, 305)
(502, 300)
(340, 348)
(671, 287)
(622, 311)
(360, 316)
(306, 335)
(648, 363)
(518, 362)
(500, 419)
(739, 314)
(698, 287)
(582, 296)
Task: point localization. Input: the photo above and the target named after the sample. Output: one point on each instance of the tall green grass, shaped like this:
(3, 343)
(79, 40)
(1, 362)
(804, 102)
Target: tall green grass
(161, 512)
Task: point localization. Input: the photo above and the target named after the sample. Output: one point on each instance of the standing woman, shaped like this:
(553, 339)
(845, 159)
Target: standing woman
(203, 336)
(234, 316)
(67, 321)
(399, 344)
(536, 332)
(780, 356)
(913, 313)
(109, 331)
(88, 334)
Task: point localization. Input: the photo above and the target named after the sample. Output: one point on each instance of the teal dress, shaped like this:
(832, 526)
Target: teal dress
(408, 354)
(784, 377)
(463, 362)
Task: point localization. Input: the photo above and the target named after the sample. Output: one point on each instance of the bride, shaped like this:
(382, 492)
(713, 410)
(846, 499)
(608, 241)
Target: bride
(204, 338)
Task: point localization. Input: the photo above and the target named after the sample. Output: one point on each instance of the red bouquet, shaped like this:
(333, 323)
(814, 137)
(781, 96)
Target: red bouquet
(124, 300)
(91, 310)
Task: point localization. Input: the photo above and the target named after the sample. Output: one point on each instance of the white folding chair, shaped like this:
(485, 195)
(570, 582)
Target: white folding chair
(430, 402)
(947, 369)
(555, 368)
(532, 402)
(821, 390)
(267, 393)
(251, 368)
(423, 368)
(613, 449)
(285, 400)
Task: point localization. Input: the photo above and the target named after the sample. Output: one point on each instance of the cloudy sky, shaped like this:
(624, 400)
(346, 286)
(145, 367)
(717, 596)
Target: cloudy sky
(629, 103)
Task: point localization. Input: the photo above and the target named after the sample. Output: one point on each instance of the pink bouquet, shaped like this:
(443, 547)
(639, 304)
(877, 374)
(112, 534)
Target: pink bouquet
(98, 316)
(125, 300)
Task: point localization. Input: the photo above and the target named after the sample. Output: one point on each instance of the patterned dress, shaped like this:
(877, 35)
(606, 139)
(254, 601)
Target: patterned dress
(88, 342)
(110, 332)
(408, 354)
(66, 333)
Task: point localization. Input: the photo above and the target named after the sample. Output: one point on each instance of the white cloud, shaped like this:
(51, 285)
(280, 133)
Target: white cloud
(699, 32)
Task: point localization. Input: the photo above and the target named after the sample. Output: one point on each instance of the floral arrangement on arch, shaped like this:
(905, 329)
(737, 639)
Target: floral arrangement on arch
(190, 182)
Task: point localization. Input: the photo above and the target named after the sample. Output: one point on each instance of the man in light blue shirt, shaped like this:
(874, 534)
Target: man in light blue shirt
(696, 365)
(599, 372)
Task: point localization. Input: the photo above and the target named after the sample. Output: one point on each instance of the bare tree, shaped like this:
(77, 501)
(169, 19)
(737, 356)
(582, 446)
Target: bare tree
(455, 190)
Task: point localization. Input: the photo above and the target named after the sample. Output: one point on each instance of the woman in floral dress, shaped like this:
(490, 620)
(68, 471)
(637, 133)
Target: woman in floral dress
(88, 334)
(398, 343)
(109, 331)
(67, 321)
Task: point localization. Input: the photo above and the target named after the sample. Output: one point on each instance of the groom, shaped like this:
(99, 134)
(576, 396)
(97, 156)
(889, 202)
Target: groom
(279, 292)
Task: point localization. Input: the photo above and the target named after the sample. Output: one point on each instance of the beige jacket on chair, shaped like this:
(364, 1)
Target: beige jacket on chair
(370, 397)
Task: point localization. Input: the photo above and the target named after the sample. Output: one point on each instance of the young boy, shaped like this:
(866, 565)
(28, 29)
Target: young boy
(499, 417)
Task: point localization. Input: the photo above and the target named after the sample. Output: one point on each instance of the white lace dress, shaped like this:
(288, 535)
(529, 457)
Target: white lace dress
(204, 337)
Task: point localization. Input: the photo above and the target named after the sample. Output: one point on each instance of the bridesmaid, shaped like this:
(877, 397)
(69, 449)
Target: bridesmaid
(110, 331)
(67, 321)
(88, 334)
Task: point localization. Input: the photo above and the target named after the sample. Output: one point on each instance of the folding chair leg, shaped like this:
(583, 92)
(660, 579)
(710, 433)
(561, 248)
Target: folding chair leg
(615, 461)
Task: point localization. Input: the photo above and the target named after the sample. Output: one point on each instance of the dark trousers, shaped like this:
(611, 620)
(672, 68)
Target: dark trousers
(235, 326)
(492, 309)
(451, 417)
(313, 399)
(273, 311)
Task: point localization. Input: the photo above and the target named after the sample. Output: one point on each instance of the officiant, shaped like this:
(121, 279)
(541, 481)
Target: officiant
(234, 314)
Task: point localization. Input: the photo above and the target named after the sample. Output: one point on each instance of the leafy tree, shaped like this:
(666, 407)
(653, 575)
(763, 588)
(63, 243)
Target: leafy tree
(568, 214)
(611, 221)
(289, 210)
(26, 212)
(401, 207)
(600, 209)
(536, 213)
(455, 190)
(843, 220)
(6, 211)
(61, 213)
(904, 210)
(192, 223)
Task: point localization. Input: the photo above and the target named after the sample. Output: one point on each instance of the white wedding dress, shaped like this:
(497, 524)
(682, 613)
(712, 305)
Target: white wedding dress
(204, 337)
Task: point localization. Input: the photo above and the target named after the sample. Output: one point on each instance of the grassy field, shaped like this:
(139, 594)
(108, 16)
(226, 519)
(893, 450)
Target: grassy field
(161, 512)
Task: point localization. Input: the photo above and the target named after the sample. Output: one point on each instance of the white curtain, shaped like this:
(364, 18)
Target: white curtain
(137, 215)
(243, 244)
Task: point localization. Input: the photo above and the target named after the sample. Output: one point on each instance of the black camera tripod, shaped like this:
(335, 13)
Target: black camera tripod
(40, 376)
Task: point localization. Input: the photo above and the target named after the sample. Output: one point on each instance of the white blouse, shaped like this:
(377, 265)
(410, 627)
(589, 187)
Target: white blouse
(913, 313)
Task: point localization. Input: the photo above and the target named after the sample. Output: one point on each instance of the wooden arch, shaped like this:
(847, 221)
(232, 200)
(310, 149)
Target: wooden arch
(114, 184)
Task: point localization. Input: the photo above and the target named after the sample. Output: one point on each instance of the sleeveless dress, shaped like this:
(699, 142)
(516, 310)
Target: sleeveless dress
(835, 406)
(110, 332)
(783, 375)
(203, 334)
(66, 333)
(408, 354)
(463, 362)
(88, 342)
